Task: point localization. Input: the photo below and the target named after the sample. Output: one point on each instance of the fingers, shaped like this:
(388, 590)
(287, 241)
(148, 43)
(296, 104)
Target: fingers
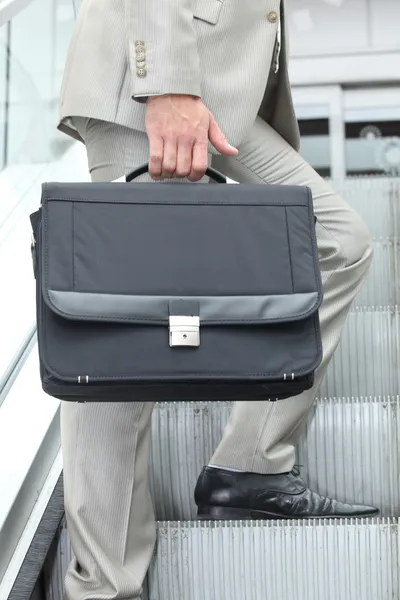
(184, 159)
(199, 161)
(170, 158)
(185, 156)
(219, 141)
(179, 127)
(156, 156)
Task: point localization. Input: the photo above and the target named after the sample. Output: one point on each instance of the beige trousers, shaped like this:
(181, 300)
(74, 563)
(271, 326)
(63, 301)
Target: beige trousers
(106, 446)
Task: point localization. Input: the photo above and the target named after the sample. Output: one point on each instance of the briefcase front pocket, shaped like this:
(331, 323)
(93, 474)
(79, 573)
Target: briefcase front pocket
(175, 292)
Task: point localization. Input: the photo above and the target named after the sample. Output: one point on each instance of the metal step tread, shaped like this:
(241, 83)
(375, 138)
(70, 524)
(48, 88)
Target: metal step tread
(381, 286)
(340, 560)
(350, 449)
(367, 360)
(376, 200)
(305, 560)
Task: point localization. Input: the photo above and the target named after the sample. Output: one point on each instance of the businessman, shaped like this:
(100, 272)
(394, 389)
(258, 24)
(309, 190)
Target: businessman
(181, 84)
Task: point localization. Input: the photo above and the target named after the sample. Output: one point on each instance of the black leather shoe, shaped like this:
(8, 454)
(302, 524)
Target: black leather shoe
(228, 495)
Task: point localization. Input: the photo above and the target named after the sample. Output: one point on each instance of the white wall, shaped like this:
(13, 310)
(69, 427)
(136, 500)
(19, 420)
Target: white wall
(349, 42)
(336, 26)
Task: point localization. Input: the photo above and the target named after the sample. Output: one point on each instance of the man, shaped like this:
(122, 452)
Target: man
(159, 81)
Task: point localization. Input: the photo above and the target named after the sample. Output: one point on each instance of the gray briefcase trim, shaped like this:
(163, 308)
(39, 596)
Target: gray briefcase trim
(213, 309)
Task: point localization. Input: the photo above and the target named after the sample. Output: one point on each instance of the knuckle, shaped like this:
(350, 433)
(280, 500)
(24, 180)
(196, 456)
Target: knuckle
(169, 136)
(187, 139)
(201, 138)
(169, 163)
(202, 133)
(156, 159)
(183, 172)
(200, 167)
(169, 168)
(195, 176)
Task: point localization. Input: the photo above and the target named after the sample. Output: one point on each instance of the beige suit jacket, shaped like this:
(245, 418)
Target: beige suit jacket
(221, 50)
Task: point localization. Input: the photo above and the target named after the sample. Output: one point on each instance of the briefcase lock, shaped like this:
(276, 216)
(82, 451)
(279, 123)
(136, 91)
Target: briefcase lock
(184, 331)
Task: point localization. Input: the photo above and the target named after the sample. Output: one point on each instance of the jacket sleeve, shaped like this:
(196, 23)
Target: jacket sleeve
(162, 47)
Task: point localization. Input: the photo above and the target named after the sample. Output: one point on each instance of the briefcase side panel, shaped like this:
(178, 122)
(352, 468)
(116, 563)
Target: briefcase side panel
(57, 256)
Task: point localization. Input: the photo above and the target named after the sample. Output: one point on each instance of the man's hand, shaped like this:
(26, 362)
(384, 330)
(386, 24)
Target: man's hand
(178, 128)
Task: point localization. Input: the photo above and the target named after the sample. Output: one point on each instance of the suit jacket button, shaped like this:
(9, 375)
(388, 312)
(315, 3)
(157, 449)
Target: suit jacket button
(140, 64)
(272, 16)
(141, 72)
(140, 56)
(139, 43)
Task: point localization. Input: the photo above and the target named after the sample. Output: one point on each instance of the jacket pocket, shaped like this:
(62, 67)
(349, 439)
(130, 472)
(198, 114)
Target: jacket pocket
(207, 10)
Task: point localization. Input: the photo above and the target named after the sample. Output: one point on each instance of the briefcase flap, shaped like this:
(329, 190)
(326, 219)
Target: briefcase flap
(127, 252)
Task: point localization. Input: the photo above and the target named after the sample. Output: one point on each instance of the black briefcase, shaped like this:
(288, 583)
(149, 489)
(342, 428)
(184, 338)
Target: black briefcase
(168, 292)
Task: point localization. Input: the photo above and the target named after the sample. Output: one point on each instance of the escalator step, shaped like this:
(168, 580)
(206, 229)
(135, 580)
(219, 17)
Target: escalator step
(350, 449)
(301, 560)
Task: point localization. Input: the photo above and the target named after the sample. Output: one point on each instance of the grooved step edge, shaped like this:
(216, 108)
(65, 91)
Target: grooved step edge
(297, 560)
(350, 449)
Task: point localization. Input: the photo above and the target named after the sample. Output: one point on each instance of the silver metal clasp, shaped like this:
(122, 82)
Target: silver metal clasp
(184, 331)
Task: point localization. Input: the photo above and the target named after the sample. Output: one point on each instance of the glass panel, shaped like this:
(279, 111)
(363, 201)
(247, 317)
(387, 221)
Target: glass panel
(35, 80)
(33, 49)
(315, 144)
(315, 25)
(4, 34)
(373, 147)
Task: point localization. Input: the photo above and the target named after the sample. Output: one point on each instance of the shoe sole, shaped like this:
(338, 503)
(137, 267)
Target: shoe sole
(220, 513)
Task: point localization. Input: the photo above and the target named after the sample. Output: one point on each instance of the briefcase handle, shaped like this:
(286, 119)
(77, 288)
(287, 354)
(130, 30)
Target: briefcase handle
(211, 173)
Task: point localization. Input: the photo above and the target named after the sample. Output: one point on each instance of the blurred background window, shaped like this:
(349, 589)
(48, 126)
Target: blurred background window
(315, 145)
(372, 130)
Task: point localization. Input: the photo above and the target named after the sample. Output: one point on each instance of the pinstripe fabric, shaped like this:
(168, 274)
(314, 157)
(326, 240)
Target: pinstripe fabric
(223, 54)
(107, 500)
(106, 446)
(262, 437)
(117, 155)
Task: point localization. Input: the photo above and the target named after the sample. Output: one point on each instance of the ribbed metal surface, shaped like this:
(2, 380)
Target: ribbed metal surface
(335, 560)
(382, 287)
(350, 449)
(298, 561)
(378, 202)
(366, 362)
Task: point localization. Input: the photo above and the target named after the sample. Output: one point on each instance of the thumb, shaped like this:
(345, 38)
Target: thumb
(218, 139)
